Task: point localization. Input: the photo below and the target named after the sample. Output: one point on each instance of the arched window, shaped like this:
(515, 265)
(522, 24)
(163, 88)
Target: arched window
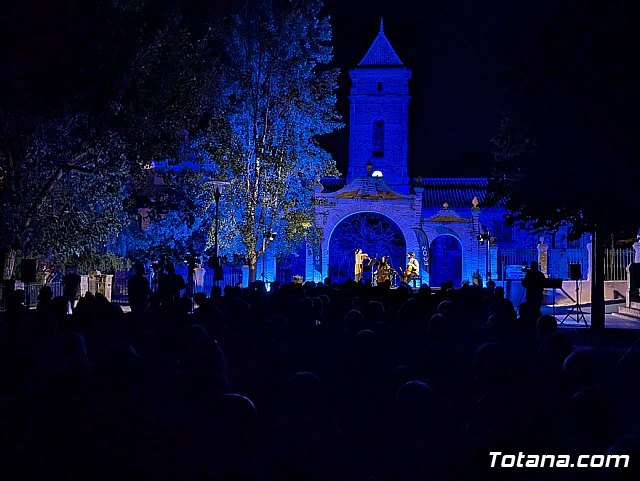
(378, 138)
(379, 86)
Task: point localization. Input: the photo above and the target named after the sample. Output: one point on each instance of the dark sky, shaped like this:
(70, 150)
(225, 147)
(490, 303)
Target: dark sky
(454, 47)
(454, 50)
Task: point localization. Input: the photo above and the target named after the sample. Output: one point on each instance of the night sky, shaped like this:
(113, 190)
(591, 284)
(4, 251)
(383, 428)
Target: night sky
(454, 49)
(460, 51)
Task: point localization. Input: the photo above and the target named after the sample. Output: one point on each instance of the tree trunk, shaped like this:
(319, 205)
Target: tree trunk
(8, 264)
(597, 283)
(253, 261)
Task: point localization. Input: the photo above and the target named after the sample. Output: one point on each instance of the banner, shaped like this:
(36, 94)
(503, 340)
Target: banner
(317, 260)
(423, 255)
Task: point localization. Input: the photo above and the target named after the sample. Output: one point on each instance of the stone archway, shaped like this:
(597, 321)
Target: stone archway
(374, 233)
(445, 252)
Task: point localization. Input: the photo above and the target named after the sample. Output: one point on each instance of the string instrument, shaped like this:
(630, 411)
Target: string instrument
(384, 273)
(408, 273)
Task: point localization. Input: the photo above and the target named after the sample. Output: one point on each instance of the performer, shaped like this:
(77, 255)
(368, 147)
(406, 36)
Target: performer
(384, 271)
(359, 267)
(534, 283)
(413, 268)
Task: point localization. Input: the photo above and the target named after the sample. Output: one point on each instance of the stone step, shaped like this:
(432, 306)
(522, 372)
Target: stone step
(624, 317)
(629, 312)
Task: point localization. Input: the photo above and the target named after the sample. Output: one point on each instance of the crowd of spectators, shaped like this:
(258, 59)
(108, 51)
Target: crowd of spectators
(305, 382)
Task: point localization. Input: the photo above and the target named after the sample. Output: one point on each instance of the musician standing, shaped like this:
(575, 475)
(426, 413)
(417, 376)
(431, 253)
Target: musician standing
(413, 268)
(359, 267)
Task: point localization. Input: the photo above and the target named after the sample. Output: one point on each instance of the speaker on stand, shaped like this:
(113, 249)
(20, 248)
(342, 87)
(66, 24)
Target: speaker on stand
(575, 313)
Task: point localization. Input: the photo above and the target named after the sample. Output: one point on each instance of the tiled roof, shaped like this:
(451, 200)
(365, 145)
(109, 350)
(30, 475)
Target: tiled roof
(457, 192)
(381, 53)
(375, 188)
(332, 184)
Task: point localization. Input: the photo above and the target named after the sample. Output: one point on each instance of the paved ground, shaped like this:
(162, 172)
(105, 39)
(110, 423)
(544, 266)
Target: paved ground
(622, 335)
(612, 321)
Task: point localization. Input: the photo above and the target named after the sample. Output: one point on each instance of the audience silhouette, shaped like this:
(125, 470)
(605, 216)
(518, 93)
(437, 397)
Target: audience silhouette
(307, 382)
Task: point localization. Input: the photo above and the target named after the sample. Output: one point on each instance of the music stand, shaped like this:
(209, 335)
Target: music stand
(575, 313)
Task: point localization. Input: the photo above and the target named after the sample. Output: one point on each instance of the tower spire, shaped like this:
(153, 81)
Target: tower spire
(381, 52)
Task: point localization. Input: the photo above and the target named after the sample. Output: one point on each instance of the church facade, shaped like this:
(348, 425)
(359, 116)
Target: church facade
(378, 208)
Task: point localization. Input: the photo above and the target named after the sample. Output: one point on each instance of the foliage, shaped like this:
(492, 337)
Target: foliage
(91, 261)
(575, 97)
(124, 82)
(567, 151)
(280, 97)
(65, 194)
(276, 97)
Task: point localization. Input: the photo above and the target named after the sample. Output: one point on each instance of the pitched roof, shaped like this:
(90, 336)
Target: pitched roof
(370, 188)
(457, 192)
(381, 53)
(332, 184)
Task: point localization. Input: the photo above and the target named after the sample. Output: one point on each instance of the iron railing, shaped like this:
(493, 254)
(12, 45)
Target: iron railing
(616, 262)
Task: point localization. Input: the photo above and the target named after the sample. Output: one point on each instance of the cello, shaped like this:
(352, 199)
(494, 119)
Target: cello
(408, 273)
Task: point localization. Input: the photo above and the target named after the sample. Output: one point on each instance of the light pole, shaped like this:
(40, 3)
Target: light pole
(216, 258)
(215, 261)
(485, 238)
(266, 236)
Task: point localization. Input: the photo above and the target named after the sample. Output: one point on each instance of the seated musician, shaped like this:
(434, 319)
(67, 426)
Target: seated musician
(384, 271)
(413, 268)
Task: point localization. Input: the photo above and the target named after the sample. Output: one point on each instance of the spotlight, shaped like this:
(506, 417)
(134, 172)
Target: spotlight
(269, 235)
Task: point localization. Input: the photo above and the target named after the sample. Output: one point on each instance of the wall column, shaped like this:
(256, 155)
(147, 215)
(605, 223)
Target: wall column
(589, 270)
(476, 263)
(543, 257)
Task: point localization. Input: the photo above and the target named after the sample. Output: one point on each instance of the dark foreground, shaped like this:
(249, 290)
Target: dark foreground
(308, 383)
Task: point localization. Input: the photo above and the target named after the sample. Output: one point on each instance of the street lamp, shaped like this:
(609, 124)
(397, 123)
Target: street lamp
(484, 237)
(215, 262)
(217, 266)
(267, 236)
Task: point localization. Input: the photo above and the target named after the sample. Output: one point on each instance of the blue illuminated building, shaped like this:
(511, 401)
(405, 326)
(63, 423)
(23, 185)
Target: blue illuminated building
(379, 209)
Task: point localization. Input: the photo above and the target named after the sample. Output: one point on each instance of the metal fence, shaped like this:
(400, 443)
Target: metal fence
(558, 261)
(31, 291)
(514, 257)
(517, 256)
(232, 276)
(616, 262)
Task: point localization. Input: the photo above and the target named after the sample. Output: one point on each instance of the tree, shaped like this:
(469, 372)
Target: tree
(125, 80)
(567, 151)
(280, 93)
(65, 194)
(277, 96)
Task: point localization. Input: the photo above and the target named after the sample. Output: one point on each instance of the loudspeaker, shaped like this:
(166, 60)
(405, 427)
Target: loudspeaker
(28, 270)
(575, 272)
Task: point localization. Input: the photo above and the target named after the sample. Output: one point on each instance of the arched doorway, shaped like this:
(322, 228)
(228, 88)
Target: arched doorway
(446, 260)
(374, 233)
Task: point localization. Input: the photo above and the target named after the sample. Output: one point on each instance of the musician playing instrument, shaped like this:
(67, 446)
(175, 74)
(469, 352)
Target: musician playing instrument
(413, 268)
(384, 271)
(359, 266)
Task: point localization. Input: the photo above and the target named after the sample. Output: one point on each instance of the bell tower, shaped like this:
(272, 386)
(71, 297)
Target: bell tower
(379, 115)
